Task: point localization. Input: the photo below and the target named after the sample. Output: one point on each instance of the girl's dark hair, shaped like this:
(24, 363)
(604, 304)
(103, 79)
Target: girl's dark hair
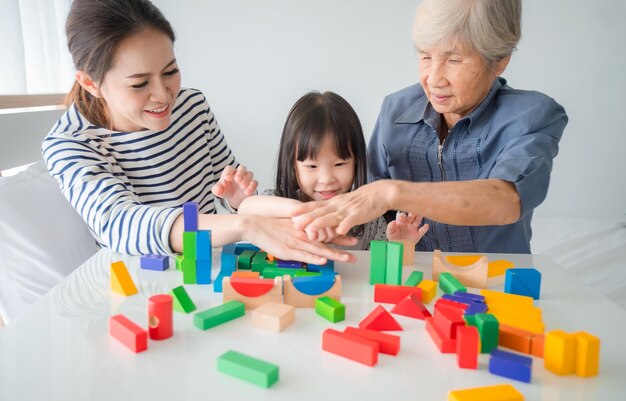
(95, 29)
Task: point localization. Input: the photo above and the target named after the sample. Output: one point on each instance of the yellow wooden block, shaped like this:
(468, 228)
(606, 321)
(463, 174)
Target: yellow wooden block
(521, 322)
(497, 296)
(463, 260)
(587, 354)
(559, 352)
(515, 309)
(429, 290)
(500, 392)
(498, 267)
(121, 282)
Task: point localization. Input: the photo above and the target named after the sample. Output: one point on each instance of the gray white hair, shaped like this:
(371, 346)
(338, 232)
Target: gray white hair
(492, 28)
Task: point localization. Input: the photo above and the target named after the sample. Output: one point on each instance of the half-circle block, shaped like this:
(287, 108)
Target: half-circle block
(314, 285)
(252, 291)
(381, 320)
(472, 275)
(293, 296)
(251, 286)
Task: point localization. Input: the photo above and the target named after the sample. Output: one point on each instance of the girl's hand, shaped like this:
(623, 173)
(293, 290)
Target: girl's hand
(235, 185)
(406, 228)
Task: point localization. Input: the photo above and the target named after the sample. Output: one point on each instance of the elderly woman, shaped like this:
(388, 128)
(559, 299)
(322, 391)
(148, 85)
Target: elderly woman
(461, 148)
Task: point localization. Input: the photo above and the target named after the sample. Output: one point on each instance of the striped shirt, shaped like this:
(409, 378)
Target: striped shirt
(129, 186)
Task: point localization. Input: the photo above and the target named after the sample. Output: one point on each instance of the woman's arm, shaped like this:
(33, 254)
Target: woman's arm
(270, 206)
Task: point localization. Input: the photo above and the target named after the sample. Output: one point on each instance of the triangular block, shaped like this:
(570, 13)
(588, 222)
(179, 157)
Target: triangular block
(121, 282)
(182, 300)
(411, 306)
(381, 320)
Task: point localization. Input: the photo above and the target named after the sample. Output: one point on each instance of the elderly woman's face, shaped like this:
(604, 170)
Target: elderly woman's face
(455, 80)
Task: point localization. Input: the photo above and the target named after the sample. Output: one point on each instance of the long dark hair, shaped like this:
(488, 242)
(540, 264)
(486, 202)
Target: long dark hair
(95, 29)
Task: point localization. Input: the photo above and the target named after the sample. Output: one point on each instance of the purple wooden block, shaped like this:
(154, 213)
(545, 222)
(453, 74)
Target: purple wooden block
(155, 262)
(513, 366)
(292, 264)
(190, 216)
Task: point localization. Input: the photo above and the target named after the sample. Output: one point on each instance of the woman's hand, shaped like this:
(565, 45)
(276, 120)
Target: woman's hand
(235, 185)
(406, 228)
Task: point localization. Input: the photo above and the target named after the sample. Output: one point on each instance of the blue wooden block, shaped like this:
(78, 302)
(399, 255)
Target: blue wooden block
(475, 308)
(513, 366)
(327, 270)
(469, 295)
(240, 247)
(457, 299)
(330, 264)
(314, 285)
(521, 281)
(203, 245)
(203, 271)
(155, 262)
(190, 216)
(290, 264)
(229, 248)
(217, 284)
(229, 262)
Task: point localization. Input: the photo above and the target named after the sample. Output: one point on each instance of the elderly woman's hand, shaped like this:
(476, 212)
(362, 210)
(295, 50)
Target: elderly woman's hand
(406, 227)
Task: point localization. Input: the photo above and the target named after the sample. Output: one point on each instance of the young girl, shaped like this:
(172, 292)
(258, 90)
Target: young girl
(322, 154)
(133, 146)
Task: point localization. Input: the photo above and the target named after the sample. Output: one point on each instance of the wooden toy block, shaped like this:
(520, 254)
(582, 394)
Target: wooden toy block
(203, 271)
(443, 302)
(204, 249)
(273, 316)
(228, 262)
(537, 345)
(350, 346)
(244, 260)
(128, 333)
(471, 275)
(515, 319)
(499, 392)
(292, 296)
(414, 279)
(513, 366)
(523, 282)
(190, 216)
(496, 270)
(179, 263)
(252, 292)
(290, 264)
(217, 284)
(467, 347)
(190, 270)
(378, 262)
(497, 296)
(121, 282)
(154, 262)
(411, 306)
(307, 274)
(241, 247)
(447, 321)
(330, 309)
(314, 285)
(449, 284)
(469, 296)
(444, 344)
(219, 314)
(245, 273)
(160, 319)
(189, 245)
(408, 253)
(272, 272)
(488, 328)
(392, 294)
(247, 368)
(393, 270)
(473, 307)
(587, 354)
(388, 343)
(515, 339)
(429, 290)
(559, 354)
(380, 320)
(182, 300)
(229, 248)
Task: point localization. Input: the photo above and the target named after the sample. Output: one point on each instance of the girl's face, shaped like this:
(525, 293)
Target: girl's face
(327, 175)
(141, 87)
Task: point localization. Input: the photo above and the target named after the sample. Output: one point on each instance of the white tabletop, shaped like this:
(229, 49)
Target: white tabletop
(60, 348)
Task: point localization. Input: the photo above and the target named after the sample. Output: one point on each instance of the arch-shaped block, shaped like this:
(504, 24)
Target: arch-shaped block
(469, 274)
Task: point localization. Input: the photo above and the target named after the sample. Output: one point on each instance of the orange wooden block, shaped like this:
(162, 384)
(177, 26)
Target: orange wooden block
(121, 282)
(559, 355)
(245, 273)
(536, 347)
(408, 253)
(515, 339)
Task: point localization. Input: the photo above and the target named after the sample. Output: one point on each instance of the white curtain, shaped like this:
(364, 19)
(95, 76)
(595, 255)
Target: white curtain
(33, 47)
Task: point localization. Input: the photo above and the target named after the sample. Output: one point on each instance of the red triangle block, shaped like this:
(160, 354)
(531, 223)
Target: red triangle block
(411, 306)
(381, 320)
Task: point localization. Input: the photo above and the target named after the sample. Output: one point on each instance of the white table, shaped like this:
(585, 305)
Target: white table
(60, 348)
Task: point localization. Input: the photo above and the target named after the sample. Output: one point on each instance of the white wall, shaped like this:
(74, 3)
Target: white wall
(253, 59)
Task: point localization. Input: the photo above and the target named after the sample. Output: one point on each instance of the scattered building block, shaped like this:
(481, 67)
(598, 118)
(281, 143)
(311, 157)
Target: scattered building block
(414, 279)
(244, 260)
(488, 327)
(496, 270)
(498, 296)
(381, 320)
(392, 294)
(121, 282)
(240, 247)
(523, 282)
(559, 353)
(537, 345)
(290, 264)
(154, 262)
(350, 346)
(252, 292)
(467, 347)
(292, 296)
(189, 245)
(515, 339)
(219, 314)
(273, 316)
(388, 343)
(190, 216)
(203, 271)
(160, 319)
(247, 368)
(469, 296)
(128, 333)
(182, 301)
(189, 270)
(179, 263)
(429, 290)
(587, 354)
(273, 271)
(204, 250)
(411, 306)
(378, 262)
(500, 392)
(449, 284)
(245, 273)
(443, 302)
(393, 272)
(444, 344)
(330, 309)
(513, 366)
(408, 253)
(471, 275)
(448, 320)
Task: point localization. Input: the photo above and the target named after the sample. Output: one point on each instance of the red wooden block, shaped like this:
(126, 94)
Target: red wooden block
(381, 320)
(392, 294)
(448, 320)
(411, 306)
(445, 345)
(450, 304)
(467, 347)
(388, 343)
(250, 286)
(160, 316)
(349, 346)
(128, 333)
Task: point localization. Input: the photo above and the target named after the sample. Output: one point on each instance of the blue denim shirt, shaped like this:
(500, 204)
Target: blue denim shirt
(512, 135)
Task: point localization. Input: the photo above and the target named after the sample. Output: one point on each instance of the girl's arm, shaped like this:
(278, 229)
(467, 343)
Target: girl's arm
(269, 206)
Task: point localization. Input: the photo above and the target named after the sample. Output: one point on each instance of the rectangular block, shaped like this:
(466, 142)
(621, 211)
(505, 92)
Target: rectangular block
(467, 347)
(499, 392)
(378, 262)
(489, 329)
(349, 346)
(414, 279)
(449, 284)
(515, 339)
(448, 320)
(559, 354)
(392, 294)
(247, 368)
(587, 354)
(128, 333)
(273, 316)
(189, 245)
(203, 271)
(330, 309)
(393, 268)
(190, 216)
(179, 263)
(204, 250)
(244, 260)
(154, 262)
(388, 343)
(513, 366)
(219, 314)
(181, 300)
(189, 271)
(443, 343)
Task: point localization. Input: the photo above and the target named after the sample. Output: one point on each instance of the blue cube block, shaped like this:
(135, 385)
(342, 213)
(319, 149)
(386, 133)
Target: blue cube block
(525, 282)
(155, 262)
(513, 366)
(190, 216)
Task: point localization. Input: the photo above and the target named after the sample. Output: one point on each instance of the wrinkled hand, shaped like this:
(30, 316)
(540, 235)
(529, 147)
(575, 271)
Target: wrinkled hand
(235, 185)
(406, 228)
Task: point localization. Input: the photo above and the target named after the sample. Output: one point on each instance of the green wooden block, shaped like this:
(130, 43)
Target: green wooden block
(414, 279)
(378, 262)
(330, 309)
(182, 300)
(189, 245)
(179, 262)
(247, 368)
(219, 314)
(393, 273)
(272, 271)
(488, 328)
(449, 284)
(470, 320)
(189, 271)
(244, 260)
(307, 274)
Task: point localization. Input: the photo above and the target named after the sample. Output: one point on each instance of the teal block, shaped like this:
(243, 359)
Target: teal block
(247, 368)
(219, 314)
(395, 251)
(378, 262)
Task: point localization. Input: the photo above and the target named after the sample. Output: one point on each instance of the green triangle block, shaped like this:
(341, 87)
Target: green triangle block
(182, 301)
